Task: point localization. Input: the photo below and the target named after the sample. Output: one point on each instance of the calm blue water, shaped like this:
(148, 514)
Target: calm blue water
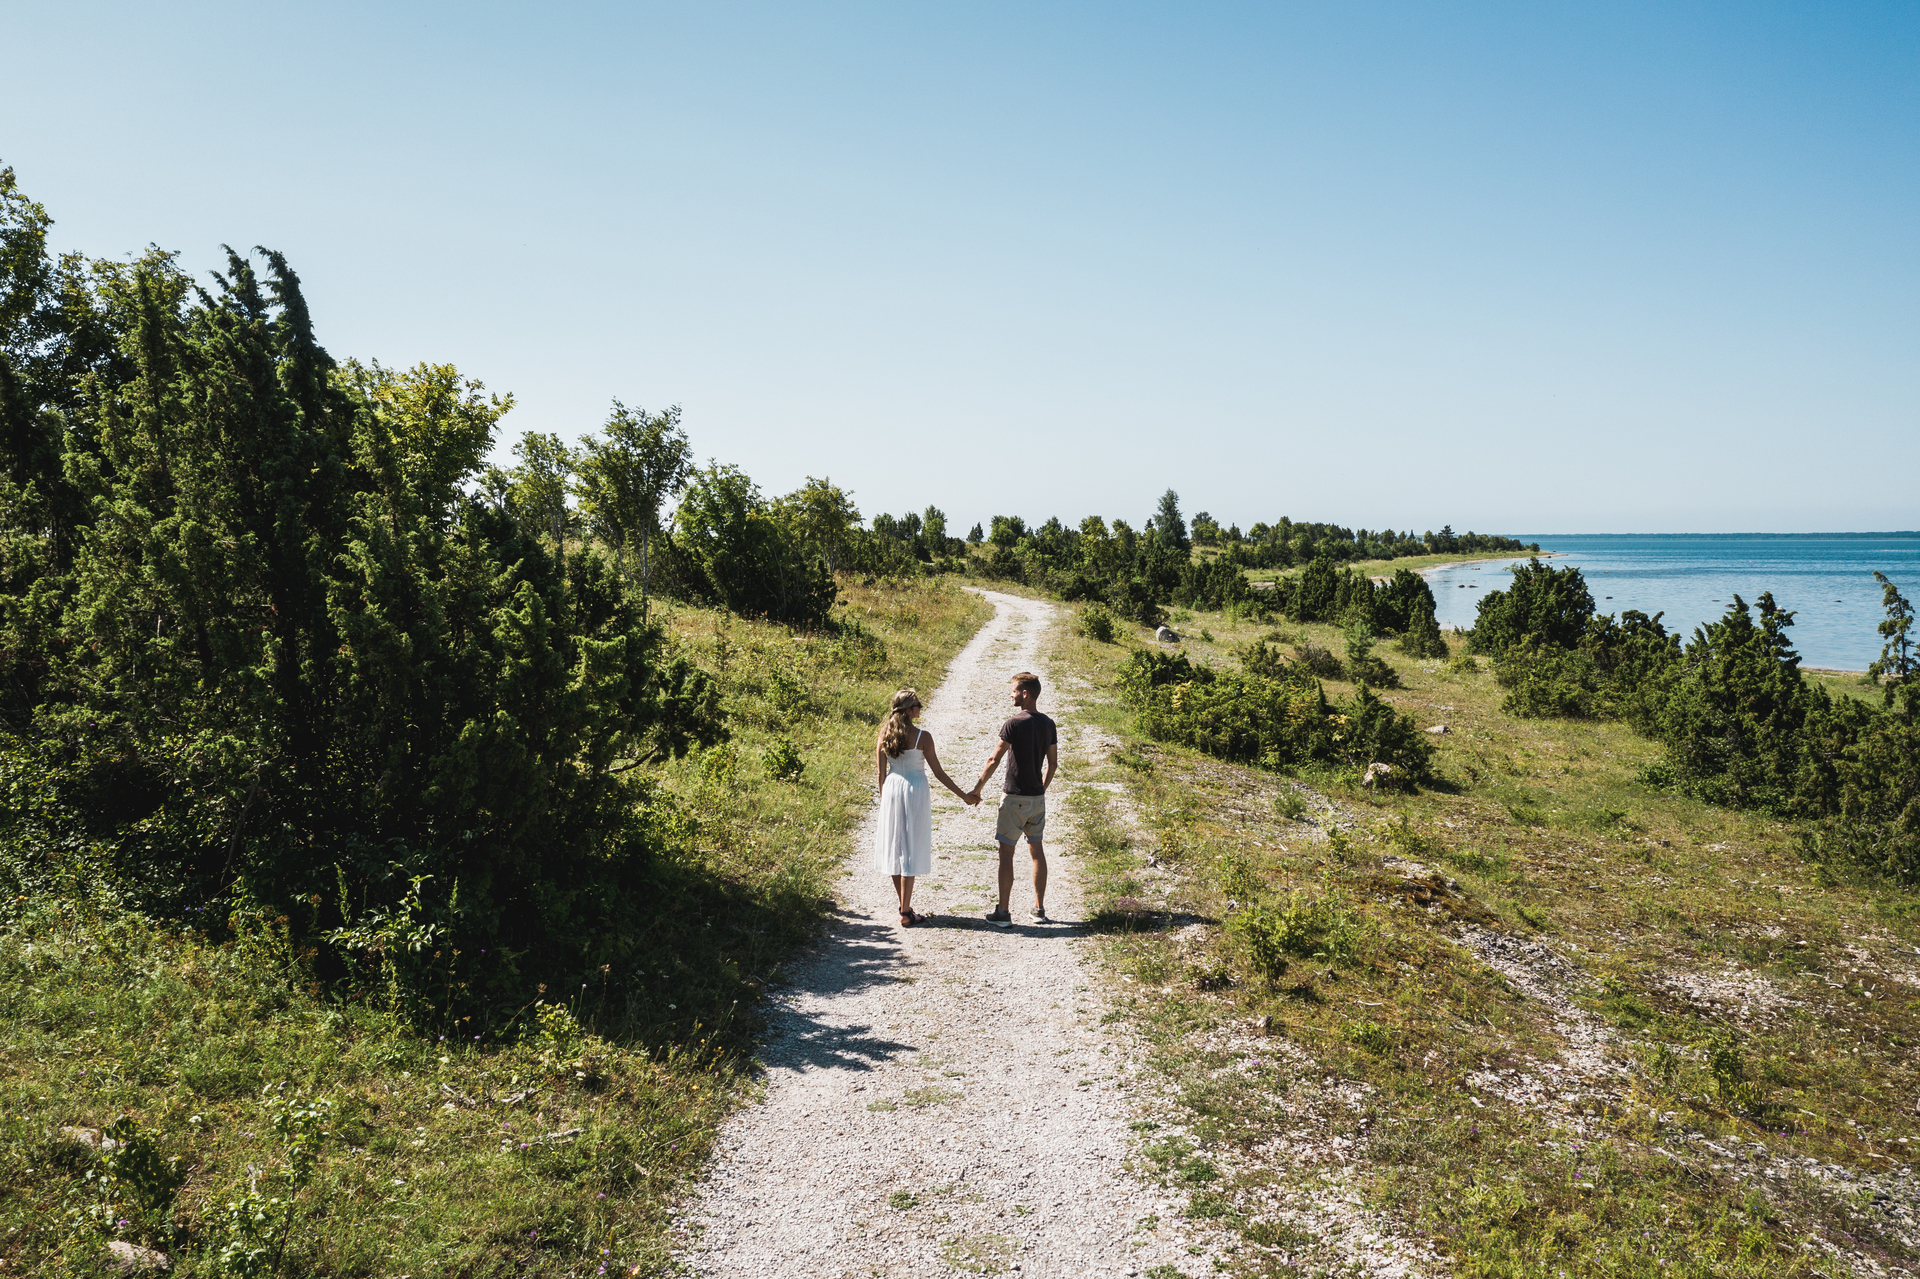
(1825, 578)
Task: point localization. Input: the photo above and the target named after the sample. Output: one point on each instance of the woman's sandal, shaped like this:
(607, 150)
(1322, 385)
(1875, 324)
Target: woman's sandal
(908, 918)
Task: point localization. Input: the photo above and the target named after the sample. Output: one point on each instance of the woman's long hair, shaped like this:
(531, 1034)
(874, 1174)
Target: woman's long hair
(898, 732)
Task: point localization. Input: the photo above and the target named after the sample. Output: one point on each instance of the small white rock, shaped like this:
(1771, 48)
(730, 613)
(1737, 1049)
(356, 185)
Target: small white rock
(131, 1258)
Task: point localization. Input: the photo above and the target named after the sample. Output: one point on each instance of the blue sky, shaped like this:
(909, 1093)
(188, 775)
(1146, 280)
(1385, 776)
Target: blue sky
(1520, 268)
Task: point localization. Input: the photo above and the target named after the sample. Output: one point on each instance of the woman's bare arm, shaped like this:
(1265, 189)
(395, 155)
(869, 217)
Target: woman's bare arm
(933, 766)
(880, 767)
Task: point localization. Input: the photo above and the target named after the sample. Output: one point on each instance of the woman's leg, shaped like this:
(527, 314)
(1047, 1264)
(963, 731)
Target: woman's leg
(903, 892)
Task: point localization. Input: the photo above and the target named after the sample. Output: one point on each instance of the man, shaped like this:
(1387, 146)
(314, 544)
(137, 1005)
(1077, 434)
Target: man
(1031, 748)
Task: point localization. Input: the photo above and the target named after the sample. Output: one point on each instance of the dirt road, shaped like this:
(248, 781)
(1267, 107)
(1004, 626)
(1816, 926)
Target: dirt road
(945, 1097)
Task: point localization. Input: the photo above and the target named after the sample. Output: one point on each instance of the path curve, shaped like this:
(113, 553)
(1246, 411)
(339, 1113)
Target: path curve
(944, 1097)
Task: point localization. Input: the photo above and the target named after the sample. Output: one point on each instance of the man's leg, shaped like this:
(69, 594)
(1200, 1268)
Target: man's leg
(1006, 874)
(1039, 874)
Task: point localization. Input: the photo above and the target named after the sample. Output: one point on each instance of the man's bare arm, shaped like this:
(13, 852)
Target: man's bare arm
(1053, 764)
(986, 774)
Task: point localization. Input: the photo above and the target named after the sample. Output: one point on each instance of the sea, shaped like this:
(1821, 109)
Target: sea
(1825, 579)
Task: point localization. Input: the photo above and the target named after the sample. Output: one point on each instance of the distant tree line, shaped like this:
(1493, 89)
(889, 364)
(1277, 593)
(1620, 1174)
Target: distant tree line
(1139, 574)
(1285, 544)
(1739, 724)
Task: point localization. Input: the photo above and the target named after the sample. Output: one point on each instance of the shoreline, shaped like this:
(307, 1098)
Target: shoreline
(1375, 574)
(1487, 559)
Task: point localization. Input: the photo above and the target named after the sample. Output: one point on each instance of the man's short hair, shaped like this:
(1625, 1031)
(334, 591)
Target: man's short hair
(1027, 682)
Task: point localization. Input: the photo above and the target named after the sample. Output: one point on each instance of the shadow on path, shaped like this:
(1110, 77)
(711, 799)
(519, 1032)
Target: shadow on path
(857, 955)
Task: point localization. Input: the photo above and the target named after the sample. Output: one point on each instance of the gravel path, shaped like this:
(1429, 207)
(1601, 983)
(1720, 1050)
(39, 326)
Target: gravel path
(944, 1098)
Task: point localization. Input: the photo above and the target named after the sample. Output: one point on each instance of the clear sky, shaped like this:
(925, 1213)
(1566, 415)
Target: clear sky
(1522, 268)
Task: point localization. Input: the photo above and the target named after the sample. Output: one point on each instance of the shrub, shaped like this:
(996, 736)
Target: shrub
(1238, 879)
(1325, 929)
(1258, 658)
(1136, 599)
(1398, 605)
(1420, 637)
(1273, 720)
(1885, 849)
(1362, 666)
(1149, 669)
(1368, 1035)
(1256, 719)
(1318, 659)
(1097, 622)
(1313, 596)
(783, 761)
(1732, 1084)
(1550, 604)
(1544, 682)
(1369, 731)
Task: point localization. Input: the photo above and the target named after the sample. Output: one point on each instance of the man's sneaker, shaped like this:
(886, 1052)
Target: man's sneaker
(1040, 914)
(999, 917)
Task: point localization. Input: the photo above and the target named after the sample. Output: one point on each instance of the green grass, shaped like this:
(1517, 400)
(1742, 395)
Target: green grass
(554, 1148)
(1666, 916)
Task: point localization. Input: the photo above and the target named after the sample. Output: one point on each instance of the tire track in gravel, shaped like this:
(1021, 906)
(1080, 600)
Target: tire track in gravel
(944, 1097)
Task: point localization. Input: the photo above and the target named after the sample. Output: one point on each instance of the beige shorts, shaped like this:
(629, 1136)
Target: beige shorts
(1021, 815)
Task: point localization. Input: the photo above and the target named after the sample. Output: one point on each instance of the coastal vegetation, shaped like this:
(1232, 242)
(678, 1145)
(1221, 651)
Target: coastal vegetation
(1538, 1015)
(1738, 722)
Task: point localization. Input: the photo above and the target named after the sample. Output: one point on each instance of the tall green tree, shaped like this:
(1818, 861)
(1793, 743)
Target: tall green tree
(541, 483)
(1896, 665)
(624, 478)
(824, 517)
(1166, 519)
(745, 557)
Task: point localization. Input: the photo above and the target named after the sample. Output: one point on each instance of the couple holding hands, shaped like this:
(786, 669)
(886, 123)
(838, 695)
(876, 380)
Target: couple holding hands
(905, 754)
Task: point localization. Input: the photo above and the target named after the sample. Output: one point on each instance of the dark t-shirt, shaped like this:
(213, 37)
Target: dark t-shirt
(1027, 735)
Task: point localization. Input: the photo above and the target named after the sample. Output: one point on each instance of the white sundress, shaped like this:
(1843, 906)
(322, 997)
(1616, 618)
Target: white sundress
(903, 835)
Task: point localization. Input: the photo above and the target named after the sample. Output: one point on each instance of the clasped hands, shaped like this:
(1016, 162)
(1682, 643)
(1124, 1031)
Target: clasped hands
(971, 797)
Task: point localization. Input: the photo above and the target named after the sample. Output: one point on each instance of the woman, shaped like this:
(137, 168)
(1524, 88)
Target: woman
(903, 837)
